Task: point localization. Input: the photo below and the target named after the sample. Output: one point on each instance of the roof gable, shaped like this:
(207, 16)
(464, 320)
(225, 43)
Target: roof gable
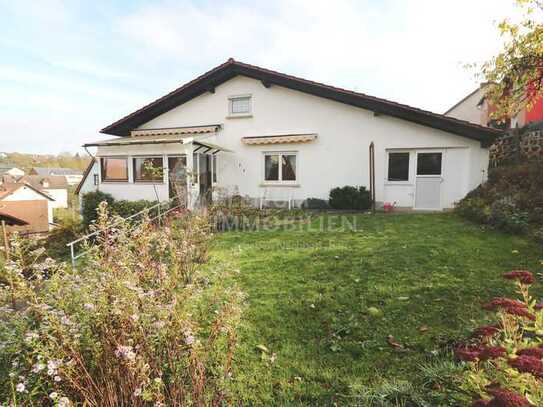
(228, 70)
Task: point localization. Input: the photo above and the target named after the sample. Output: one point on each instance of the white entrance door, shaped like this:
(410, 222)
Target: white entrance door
(428, 180)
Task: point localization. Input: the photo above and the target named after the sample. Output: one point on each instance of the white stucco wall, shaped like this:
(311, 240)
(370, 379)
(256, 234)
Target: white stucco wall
(88, 184)
(60, 197)
(338, 157)
(469, 110)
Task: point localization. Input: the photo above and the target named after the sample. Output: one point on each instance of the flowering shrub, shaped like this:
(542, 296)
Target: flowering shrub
(139, 322)
(505, 360)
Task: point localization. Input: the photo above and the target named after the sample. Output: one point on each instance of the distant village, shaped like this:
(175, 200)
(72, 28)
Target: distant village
(29, 197)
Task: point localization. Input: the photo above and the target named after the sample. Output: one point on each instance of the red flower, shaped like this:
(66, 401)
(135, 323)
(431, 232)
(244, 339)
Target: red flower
(507, 398)
(539, 307)
(501, 302)
(492, 352)
(486, 331)
(468, 353)
(535, 352)
(521, 312)
(528, 364)
(524, 276)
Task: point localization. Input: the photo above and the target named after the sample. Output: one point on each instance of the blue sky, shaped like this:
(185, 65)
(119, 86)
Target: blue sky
(69, 68)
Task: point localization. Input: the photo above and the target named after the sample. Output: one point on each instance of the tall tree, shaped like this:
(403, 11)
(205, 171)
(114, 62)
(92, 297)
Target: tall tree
(515, 75)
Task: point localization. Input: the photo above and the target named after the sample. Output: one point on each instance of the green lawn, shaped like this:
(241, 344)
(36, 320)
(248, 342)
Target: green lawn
(309, 292)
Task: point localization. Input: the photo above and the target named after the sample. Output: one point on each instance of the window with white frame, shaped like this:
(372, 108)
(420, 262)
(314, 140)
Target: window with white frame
(239, 105)
(114, 169)
(398, 166)
(280, 167)
(148, 169)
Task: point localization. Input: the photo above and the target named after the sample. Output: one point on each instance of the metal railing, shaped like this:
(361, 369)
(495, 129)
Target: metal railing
(72, 245)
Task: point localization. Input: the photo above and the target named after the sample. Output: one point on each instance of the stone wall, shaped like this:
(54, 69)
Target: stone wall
(516, 147)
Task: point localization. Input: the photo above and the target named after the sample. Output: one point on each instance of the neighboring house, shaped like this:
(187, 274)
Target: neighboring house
(73, 177)
(29, 204)
(10, 169)
(55, 186)
(89, 182)
(244, 129)
(476, 109)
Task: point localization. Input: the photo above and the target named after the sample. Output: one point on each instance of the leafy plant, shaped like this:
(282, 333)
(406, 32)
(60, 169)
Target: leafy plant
(140, 322)
(315, 203)
(351, 198)
(89, 205)
(505, 360)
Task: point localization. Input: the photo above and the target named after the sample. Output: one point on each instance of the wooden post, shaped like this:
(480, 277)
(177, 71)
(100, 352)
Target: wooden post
(6, 241)
(372, 175)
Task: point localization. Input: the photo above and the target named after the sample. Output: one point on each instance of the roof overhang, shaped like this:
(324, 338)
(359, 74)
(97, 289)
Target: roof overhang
(158, 136)
(203, 147)
(222, 73)
(280, 139)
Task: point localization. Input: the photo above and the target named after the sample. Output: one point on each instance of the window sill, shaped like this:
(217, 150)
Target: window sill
(279, 184)
(149, 182)
(399, 183)
(240, 116)
(121, 181)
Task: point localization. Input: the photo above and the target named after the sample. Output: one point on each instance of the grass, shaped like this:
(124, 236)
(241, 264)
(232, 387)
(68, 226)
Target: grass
(309, 291)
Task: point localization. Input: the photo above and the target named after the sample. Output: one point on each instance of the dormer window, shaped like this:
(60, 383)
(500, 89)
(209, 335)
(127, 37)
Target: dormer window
(239, 106)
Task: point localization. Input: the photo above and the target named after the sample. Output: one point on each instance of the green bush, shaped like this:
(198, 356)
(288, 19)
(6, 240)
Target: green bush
(126, 208)
(123, 208)
(511, 199)
(89, 205)
(351, 198)
(315, 203)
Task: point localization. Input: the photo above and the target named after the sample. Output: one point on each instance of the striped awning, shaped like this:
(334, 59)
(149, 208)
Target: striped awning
(213, 128)
(280, 139)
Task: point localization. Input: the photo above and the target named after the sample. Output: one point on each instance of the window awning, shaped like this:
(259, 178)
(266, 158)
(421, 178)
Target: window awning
(212, 128)
(157, 136)
(204, 147)
(280, 139)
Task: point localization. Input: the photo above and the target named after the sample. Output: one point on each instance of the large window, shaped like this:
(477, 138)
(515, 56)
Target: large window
(148, 169)
(114, 168)
(398, 166)
(429, 164)
(239, 105)
(280, 167)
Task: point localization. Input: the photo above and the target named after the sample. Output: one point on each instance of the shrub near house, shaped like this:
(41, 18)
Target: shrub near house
(511, 199)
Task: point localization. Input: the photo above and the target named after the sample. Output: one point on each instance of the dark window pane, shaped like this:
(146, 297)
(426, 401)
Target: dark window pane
(398, 166)
(429, 164)
(289, 167)
(271, 168)
(114, 169)
(148, 169)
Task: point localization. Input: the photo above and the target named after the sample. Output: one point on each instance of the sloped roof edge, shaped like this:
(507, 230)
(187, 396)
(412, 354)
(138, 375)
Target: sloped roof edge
(231, 68)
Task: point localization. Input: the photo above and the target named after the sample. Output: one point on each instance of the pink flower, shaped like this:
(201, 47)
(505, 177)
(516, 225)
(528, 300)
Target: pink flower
(467, 353)
(492, 352)
(501, 302)
(524, 276)
(486, 331)
(528, 364)
(535, 352)
(507, 398)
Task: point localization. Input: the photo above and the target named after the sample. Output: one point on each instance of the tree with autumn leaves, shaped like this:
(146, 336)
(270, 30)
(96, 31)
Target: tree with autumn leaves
(515, 75)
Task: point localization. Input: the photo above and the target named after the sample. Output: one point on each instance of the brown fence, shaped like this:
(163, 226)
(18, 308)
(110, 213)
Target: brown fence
(517, 147)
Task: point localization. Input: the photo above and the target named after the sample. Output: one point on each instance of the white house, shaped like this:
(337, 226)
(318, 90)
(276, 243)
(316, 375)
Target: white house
(56, 186)
(12, 170)
(73, 177)
(29, 204)
(271, 136)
